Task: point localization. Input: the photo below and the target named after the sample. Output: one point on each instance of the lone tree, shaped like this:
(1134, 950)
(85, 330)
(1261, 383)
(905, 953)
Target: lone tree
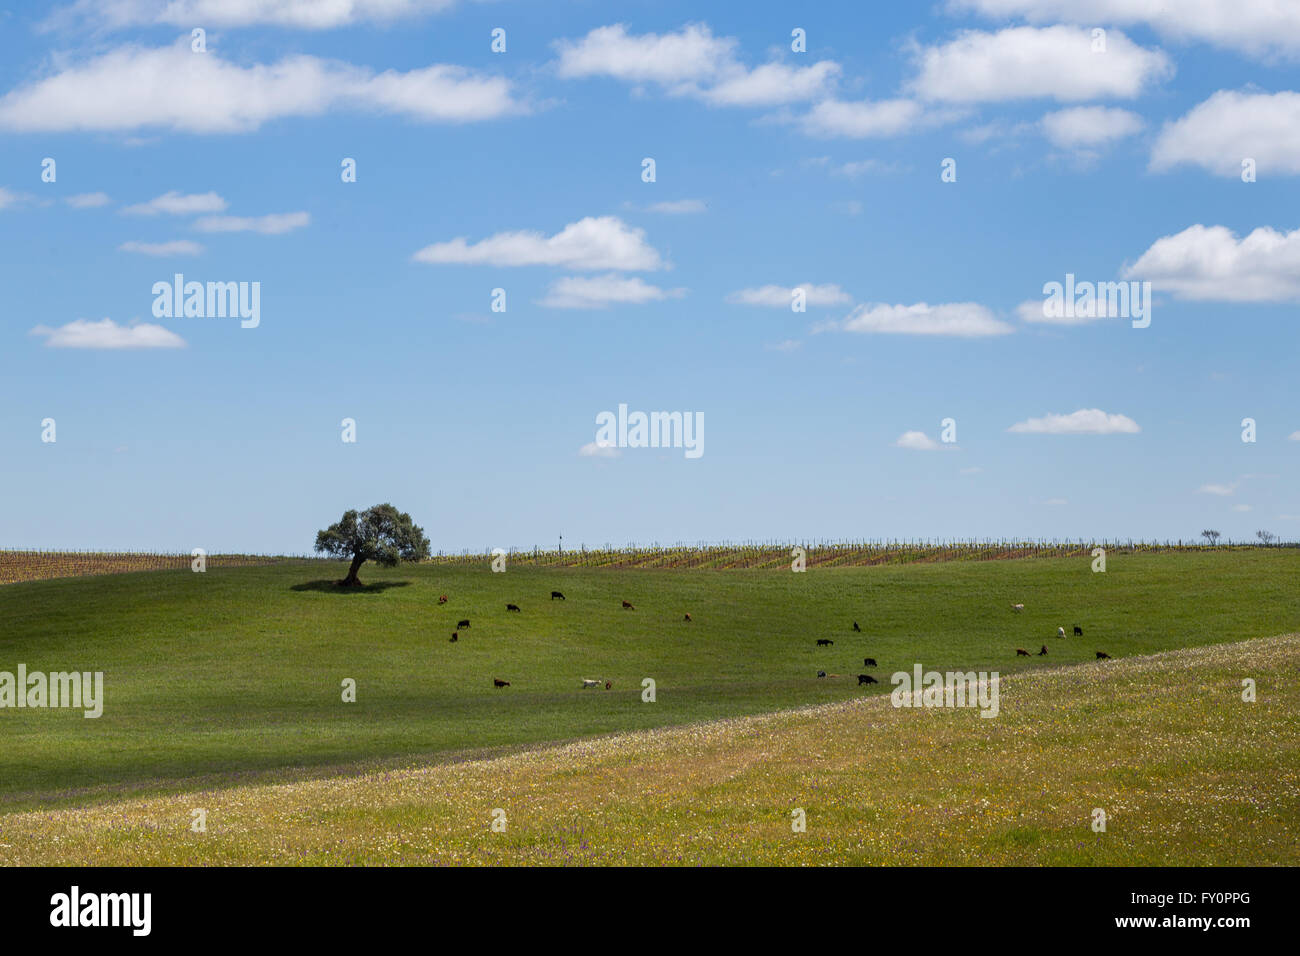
(1211, 536)
(1268, 537)
(381, 534)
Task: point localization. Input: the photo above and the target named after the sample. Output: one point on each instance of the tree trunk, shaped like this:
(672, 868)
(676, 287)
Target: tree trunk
(352, 580)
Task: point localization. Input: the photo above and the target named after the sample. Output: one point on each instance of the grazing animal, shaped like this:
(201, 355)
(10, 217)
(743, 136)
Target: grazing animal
(454, 637)
(823, 642)
(496, 682)
(1078, 631)
(628, 605)
(442, 599)
(856, 629)
(556, 594)
(1017, 608)
(866, 679)
(1021, 652)
(1043, 651)
(821, 673)
(1103, 656)
(688, 617)
(589, 683)
(512, 607)
(609, 685)
(460, 624)
(1060, 632)
(869, 662)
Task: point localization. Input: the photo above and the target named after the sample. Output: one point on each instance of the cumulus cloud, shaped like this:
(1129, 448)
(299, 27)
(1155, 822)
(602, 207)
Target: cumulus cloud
(274, 224)
(678, 207)
(107, 334)
(88, 200)
(1209, 263)
(297, 14)
(1083, 127)
(861, 119)
(917, 441)
(691, 62)
(1222, 491)
(133, 88)
(1251, 26)
(177, 247)
(1032, 62)
(1294, 436)
(598, 292)
(1036, 311)
(1086, 421)
(1231, 126)
(594, 450)
(958, 319)
(178, 204)
(603, 242)
(781, 296)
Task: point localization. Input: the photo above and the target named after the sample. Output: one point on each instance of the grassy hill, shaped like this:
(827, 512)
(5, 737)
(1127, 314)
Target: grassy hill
(1186, 772)
(235, 674)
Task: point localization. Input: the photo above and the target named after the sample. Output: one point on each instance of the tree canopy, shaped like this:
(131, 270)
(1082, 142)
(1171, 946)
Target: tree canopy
(381, 534)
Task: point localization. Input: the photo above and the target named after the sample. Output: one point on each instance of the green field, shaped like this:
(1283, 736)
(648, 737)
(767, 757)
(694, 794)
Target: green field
(234, 676)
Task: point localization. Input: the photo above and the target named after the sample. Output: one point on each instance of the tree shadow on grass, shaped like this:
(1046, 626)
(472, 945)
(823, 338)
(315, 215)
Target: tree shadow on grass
(333, 587)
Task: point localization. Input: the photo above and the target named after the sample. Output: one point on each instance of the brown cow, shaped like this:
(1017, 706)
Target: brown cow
(1021, 652)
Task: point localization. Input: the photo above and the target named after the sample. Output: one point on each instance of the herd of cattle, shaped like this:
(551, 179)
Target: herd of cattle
(821, 642)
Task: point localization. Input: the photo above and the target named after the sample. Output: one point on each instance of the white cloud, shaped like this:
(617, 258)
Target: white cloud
(604, 242)
(861, 119)
(1210, 263)
(1086, 421)
(1033, 311)
(107, 334)
(781, 296)
(1089, 126)
(299, 14)
(1252, 26)
(1220, 490)
(960, 319)
(88, 200)
(787, 345)
(132, 88)
(1241, 507)
(772, 84)
(177, 247)
(678, 207)
(177, 204)
(1231, 126)
(1057, 502)
(917, 441)
(594, 450)
(1294, 436)
(864, 167)
(8, 197)
(1030, 62)
(598, 292)
(691, 62)
(274, 224)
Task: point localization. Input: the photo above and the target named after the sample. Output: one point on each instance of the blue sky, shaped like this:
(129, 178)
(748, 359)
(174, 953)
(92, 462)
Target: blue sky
(522, 171)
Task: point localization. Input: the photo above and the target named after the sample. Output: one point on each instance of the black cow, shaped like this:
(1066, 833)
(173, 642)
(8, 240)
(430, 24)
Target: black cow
(1043, 651)
(1078, 631)
(454, 637)
(869, 662)
(1021, 652)
(500, 683)
(628, 606)
(556, 594)
(823, 642)
(512, 607)
(856, 629)
(866, 679)
(1103, 656)
(460, 624)
(821, 673)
